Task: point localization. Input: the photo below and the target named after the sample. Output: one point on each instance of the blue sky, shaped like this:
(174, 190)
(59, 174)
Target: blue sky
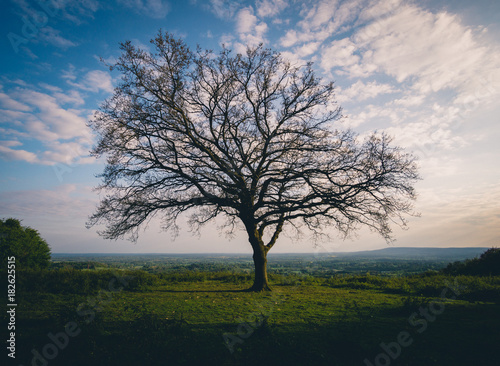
(427, 72)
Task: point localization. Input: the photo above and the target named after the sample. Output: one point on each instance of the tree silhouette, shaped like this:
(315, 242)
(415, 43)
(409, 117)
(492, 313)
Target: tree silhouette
(248, 137)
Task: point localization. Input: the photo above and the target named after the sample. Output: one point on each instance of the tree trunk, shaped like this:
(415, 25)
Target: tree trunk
(260, 261)
(259, 255)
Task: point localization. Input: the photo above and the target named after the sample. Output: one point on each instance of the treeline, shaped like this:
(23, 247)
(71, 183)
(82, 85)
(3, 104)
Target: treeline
(79, 265)
(488, 264)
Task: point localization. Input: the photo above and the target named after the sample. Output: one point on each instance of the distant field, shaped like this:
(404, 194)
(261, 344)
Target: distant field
(387, 262)
(181, 316)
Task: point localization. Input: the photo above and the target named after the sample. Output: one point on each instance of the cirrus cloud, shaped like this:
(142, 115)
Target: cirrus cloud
(152, 8)
(46, 124)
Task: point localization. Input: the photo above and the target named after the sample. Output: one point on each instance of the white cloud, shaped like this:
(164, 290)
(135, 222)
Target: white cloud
(360, 91)
(64, 97)
(266, 8)
(376, 9)
(69, 74)
(226, 40)
(374, 115)
(52, 88)
(224, 9)
(53, 37)
(427, 137)
(410, 100)
(143, 46)
(10, 143)
(322, 20)
(152, 8)
(52, 120)
(246, 20)
(93, 81)
(76, 152)
(345, 15)
(251, 32)
(290, 38)
(72, 97)
(340, 53)
(293, 58)
(319, 14)
(73, 10)
(63, 201)
(9, 103)
(331, 16)
(294, 37)
(307, 49)
(97, 80)
(431, 51)
(13, 154)
(432, 58)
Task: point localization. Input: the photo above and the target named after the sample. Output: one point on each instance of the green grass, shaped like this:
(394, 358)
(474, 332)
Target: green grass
(203, 319)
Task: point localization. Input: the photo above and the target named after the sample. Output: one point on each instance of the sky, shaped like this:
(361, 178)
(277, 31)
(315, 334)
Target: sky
(427, 72)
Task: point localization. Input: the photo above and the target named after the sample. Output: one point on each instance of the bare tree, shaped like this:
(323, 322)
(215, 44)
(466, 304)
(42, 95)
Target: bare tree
(248, 137)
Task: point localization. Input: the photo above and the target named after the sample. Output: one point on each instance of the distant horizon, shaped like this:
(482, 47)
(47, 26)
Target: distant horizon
(270, 253)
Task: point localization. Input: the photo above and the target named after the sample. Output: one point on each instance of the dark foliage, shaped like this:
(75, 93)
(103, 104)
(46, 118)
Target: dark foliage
(488, 264)
(24, 243)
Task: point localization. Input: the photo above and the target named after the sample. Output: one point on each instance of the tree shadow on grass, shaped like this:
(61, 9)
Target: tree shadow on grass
(201, 291)
(154, 340)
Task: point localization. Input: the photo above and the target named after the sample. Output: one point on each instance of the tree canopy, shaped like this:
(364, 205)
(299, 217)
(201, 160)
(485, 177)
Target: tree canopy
(249, 137)
(24, 243)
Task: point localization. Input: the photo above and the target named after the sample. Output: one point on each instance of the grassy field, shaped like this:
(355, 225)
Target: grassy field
(75, 317)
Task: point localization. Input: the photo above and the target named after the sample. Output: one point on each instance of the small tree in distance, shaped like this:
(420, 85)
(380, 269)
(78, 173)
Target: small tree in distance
(248, 137)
